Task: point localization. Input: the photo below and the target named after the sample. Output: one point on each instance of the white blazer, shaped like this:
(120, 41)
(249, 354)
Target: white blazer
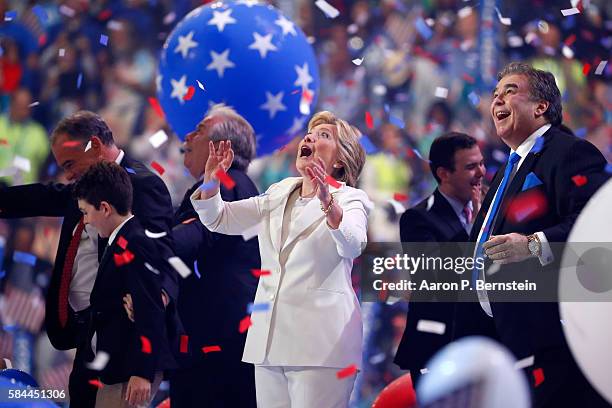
(313, 317)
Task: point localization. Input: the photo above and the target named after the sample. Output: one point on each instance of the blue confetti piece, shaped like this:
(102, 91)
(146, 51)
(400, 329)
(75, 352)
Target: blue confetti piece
(417, 153)
(52, 170)
(386, 106)
(195, 269)
(104, 39)
(257, 307)
(397, 121)
(367, 145)
(24, 257)
(10, 327)
(10, 15)
(581, 133)
(609, 168)
(474, 98)
(130, 170)
(79, 80)
(423, 29)
(208, 186)
(41, 13)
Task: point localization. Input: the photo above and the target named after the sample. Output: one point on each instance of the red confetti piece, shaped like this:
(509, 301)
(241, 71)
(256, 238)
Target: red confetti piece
(369, 121)
(42, 40)
(570, 40)
(122, 259)
(527, 206)
(225, 179)
(4, 142)
(96, 383)
(586, 68)
(157, 107)
(538, 376)
(307, 96)
(468, 78)
(260, 272)
(332, 181)
(146, 345)
(579, 180)
(245, 324)
(184, 343)
(158, 167)
(400, 197)
(104, 14)
(346, 372)
(189, 220)
(122, 242)
(210, 349)
(71, 143)
(189, 94)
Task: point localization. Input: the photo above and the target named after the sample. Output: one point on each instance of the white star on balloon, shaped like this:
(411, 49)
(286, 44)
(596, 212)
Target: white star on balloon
(298, 124)
(220, 62)
(303, 77)
(221, 19)
(274, 103)
(263, 44)
(287, 26)
(179, 88)
(185, 44)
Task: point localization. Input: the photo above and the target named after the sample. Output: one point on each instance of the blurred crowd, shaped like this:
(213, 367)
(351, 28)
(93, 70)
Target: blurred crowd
(403, 71)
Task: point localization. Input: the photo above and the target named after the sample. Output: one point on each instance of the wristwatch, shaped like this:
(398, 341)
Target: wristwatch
(534, 245)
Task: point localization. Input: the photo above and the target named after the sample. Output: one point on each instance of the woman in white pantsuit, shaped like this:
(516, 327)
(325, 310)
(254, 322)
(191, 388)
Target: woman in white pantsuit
(309, 233)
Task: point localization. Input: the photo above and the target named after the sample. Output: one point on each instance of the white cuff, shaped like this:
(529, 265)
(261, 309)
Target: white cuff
(547, 256)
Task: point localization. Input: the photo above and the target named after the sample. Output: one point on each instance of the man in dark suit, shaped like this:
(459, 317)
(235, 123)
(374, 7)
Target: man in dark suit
(78, 142)
(213, 300)
(137, 347)
(533, 201)
(446, 216)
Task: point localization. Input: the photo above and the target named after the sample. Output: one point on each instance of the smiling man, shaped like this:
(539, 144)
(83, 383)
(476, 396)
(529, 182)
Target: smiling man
(542, 170)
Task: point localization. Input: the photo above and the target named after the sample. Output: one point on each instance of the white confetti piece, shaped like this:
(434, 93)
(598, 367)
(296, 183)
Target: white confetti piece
(397, 206)
(329, 10)
(7, 363)
(430, 202)
(378, 358)
(524, 363)
(169, 18)
(67, 11)
(33, 104)
(504, 20)
(62, 52)
(99, 362)
(600, 67)
(424, 370)
(158, 138)
(88, 146)
(152, 269)
(358, 61)
(155, 235)
(431, 326)
(114, 25)
(464, 12)
(179, 266)
(515, 41)
(251, 232)
(200, 85)
(22, 164)
(567, 52)
(570, 12)
(441, 92)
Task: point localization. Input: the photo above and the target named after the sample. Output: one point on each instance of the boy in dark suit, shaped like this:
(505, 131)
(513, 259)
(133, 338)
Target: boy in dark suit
(138, 350)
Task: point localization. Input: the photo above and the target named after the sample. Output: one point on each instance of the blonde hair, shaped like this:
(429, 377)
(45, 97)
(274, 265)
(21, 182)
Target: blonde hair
(350, 152)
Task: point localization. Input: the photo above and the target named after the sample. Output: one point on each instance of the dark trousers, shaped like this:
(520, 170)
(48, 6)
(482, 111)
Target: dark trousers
(82, 393)
(217, 383)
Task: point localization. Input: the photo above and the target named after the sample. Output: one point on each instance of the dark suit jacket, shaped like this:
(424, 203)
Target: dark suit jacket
(211, 306)
(151, 204)
(438, 224)
(116, 334)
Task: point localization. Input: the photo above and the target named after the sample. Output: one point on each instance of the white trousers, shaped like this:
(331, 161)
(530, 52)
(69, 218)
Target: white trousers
(301, 387)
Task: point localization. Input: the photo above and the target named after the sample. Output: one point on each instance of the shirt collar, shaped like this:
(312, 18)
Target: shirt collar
(456, 204)
(525, 147)
(113, 234)
(120, 156)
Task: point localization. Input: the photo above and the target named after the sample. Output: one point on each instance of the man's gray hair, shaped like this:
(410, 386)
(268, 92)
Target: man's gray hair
(542, 87)
(235, 128)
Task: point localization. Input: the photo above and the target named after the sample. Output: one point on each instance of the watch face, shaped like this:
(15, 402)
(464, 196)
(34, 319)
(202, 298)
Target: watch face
(533, 247)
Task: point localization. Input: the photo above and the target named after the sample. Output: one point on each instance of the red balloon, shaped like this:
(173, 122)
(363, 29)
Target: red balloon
(398, 394)
(164, 404)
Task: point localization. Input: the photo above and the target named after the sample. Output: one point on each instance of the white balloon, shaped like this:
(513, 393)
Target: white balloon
(588, 325)
(474, 367)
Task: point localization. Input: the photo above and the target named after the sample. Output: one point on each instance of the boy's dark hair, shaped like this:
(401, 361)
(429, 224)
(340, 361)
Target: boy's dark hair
(81, 126)
(105, 181)
(443, 148)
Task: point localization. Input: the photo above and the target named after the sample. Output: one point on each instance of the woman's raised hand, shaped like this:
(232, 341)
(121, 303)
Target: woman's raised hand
(219, 158)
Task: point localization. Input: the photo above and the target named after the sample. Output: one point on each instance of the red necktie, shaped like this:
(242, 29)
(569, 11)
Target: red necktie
(67, 273)
(467, 211)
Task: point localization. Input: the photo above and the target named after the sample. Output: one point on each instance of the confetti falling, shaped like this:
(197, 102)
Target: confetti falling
(152, 269)
(332, 181)
(158, 138)
(189, 221)
(208, 186)
(103, 40)
(538, 376)
(329, 10)
(225, 179)
(146, 345)
(570, 11)
(441, 92)
(124, 258)
(579, 180)
(62, 52)
(357, 61)
(524, 363)
(346, 372)
(258, 307)
(99, 361)
(33, 104)
(179, 266)
(24, 258)
(586, 68)
(196, 270)
(431, 326)
(600, 68)
(189, 94)
(260, 272)
(504, 20)
(10, 15)
(369, 120)
(155, 235)
(211, 349)
(122, 242)
(158, 168)
(156, 107)
(200, 85)
(527, 206)
(96, 383)
(184, 346)
(400, 197)
(88, 146)
(244, 325)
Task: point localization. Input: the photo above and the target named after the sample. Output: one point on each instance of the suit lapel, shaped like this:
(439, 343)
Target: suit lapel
(443, 209)
(277, 202)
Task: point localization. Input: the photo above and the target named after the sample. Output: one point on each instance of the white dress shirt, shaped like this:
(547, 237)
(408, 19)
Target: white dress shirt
(86, 264)
(547, 256)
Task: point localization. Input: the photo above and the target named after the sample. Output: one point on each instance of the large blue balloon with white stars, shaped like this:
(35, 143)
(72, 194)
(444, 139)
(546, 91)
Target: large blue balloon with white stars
(246, 55)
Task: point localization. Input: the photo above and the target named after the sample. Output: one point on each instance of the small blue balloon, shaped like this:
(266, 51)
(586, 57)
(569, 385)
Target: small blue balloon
(246, 55)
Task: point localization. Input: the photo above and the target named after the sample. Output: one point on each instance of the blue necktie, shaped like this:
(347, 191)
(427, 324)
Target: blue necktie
(514, 158)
